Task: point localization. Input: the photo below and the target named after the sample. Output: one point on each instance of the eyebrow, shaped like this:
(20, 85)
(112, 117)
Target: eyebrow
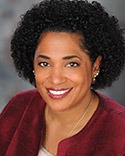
(65, 58)
(70, 57)
(43, 56)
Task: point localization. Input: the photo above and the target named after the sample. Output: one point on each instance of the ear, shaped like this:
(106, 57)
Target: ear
(96, 66)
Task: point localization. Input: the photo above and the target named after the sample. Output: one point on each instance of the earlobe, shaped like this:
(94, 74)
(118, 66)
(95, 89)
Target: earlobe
(94, 77)
(96, 68)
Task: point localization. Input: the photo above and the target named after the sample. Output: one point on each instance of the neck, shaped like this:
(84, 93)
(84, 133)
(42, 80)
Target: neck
(72, 115)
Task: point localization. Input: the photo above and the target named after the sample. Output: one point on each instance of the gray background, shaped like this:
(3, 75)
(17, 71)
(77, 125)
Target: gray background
(10, 83)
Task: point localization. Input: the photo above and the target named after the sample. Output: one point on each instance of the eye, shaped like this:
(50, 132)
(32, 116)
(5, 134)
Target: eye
(43, 64)
(73, 64)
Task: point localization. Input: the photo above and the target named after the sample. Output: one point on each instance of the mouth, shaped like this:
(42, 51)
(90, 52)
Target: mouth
(58, 93)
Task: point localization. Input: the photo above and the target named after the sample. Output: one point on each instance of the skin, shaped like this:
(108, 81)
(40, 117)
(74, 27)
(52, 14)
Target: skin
(55, 69)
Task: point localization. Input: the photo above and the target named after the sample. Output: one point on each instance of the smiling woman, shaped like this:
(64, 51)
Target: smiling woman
(66, 49)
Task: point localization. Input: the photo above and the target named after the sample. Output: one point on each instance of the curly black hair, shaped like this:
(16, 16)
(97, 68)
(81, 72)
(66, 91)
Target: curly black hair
(101, 32)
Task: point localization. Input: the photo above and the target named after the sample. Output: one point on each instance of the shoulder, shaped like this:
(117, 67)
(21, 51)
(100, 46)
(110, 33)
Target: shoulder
(111, 107)
(17, 107)
(19, 101)
(25, 94)
(113, 114)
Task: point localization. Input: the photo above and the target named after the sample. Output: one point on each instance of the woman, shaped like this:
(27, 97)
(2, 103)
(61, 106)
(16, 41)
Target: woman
(66, 49)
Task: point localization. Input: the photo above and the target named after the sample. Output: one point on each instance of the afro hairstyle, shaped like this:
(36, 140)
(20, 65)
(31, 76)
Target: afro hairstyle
(101, 34)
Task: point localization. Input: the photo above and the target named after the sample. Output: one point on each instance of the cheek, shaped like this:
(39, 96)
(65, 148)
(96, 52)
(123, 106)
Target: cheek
(81, 76)
(40, 78)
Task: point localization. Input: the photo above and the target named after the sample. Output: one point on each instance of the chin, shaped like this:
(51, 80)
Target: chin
(58, 106)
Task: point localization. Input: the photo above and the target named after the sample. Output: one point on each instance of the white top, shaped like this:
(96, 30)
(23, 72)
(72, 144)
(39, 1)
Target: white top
(44, 152)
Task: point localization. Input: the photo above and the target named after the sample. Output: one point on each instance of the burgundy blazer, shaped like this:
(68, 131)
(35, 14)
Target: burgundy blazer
(22, 127)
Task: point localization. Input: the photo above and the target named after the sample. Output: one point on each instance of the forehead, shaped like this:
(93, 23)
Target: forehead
(66, 34)
(60, 43)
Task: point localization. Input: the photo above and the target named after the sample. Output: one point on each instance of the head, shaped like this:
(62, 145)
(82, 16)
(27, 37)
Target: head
(97, 33)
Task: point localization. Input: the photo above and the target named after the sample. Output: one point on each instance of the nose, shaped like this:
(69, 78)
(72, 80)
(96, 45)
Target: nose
(57, 76)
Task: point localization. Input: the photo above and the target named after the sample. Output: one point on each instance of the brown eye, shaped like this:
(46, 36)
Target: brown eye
(73, 64)
(43, 64)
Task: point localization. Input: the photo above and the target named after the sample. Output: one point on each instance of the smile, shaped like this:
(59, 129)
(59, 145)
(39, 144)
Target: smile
(58, 93)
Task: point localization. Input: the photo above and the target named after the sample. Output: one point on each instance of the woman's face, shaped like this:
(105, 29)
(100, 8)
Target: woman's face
(63, 71)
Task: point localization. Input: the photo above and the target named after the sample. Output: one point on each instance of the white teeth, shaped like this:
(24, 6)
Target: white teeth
(58, 92)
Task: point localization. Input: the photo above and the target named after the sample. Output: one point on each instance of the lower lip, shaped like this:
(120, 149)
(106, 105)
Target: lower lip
(58, 96)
